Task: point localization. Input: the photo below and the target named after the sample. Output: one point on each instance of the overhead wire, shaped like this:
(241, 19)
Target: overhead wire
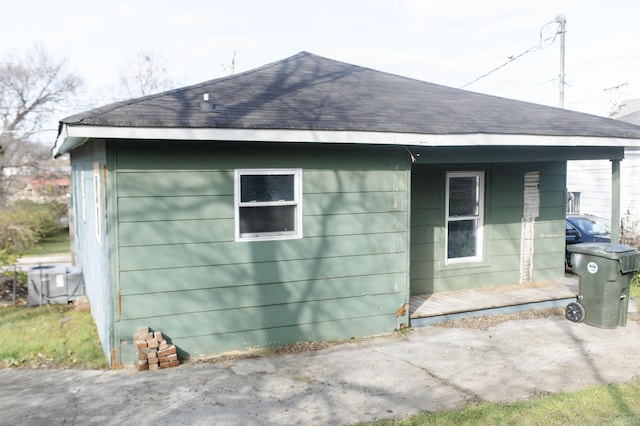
(535, 87)
(529, 50)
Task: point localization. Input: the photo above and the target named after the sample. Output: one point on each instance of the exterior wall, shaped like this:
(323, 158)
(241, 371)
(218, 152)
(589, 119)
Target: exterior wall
(88, 251)
(630, 197)
(181, 272)
(503, 224)
(593, 180)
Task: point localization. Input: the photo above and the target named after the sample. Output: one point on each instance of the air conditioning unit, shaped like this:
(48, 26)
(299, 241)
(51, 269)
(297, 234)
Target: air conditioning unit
(50, 284)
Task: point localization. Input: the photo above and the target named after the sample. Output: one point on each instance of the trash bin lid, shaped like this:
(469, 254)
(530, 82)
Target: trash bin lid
(627, 256)
(608, 250)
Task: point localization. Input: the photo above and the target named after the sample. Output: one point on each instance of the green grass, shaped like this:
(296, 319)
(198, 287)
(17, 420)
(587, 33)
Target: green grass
(49, 336)
(58, 336)
(53, 244)
(594, 405)
(617, 404)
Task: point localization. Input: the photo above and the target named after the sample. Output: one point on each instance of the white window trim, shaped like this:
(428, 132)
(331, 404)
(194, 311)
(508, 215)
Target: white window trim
(297, 195)
(480, 235)
(97, 205)
(83, 196)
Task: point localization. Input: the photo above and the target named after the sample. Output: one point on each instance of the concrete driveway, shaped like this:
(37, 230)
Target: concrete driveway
(430, 369)
(63, 259)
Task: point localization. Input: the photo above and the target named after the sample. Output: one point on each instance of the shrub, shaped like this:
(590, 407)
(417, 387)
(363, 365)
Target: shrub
(24, 224)
(42, 218)
(630, 231)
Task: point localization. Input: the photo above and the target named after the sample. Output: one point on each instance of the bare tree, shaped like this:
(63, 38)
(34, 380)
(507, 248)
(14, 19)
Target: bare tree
(32, 89)
(145, 74)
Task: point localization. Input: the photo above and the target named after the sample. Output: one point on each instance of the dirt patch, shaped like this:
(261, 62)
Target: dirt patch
(308, 346)
(285, 349)
(487, 321)
(6, 291)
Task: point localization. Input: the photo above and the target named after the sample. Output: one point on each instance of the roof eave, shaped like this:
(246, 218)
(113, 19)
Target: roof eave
(72, 136)
(66, 142)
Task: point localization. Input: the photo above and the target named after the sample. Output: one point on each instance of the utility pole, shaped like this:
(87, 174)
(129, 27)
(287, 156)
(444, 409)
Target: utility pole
(562, 21)
(233, 63)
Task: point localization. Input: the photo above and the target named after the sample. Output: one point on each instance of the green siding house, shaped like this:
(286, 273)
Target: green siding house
(309, 199)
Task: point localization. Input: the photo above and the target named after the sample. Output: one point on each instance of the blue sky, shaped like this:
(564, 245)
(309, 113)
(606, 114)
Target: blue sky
(449, 42)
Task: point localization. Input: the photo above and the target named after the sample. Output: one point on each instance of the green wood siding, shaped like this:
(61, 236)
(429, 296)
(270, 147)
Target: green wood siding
(504, 202)
(181, 272)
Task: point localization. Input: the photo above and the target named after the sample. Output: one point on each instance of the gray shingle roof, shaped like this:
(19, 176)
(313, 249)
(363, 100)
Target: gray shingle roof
(309, 92)
(633, 117)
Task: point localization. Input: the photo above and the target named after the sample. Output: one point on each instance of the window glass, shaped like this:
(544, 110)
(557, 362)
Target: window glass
(594, 225)
(267, 219)
(462, 239)
(268, 204)
(267, 188)
(463, 196)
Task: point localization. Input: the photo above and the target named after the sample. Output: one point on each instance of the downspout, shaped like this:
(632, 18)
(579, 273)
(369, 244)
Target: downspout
(615, 201)
(402, 313)
(111, 237)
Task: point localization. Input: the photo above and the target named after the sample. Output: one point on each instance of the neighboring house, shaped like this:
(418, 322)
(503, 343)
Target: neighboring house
(309, 198)
(45, 188)
(589, 182)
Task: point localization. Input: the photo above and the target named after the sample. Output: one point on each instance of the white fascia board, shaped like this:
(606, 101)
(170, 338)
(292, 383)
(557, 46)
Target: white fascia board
(65, 143)
(72, 136)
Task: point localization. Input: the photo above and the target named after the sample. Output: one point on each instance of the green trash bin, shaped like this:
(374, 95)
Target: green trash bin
(605, 271)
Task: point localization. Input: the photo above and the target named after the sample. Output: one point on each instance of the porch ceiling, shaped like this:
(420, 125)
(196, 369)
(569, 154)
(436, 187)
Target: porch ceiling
(513, 154)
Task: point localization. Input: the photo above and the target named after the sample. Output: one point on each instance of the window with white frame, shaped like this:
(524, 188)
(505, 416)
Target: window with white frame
(268, 204)
(464, 216)
(573, 202)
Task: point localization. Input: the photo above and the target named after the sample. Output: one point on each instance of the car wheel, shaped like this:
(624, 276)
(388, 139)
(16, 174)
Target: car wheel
(575, 312)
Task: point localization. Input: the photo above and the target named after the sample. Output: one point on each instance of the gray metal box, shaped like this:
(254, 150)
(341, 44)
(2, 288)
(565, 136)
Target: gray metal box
(50, 284)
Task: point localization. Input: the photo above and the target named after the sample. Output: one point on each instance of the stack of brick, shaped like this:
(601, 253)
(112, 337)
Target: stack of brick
(153, 351)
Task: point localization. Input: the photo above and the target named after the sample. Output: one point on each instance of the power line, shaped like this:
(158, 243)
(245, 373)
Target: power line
(529, 50)
(534, 87)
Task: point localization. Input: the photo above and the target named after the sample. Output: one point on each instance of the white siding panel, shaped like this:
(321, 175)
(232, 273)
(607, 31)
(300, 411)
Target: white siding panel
(630, 186)
(593, 180)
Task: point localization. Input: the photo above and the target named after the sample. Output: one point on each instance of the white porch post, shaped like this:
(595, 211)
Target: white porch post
(615, 201)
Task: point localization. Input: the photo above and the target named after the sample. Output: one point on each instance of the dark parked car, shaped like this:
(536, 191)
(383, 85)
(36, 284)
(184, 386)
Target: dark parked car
(586, 229)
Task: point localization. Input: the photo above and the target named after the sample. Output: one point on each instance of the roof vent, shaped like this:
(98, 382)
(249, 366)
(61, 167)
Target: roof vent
(206, 105)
